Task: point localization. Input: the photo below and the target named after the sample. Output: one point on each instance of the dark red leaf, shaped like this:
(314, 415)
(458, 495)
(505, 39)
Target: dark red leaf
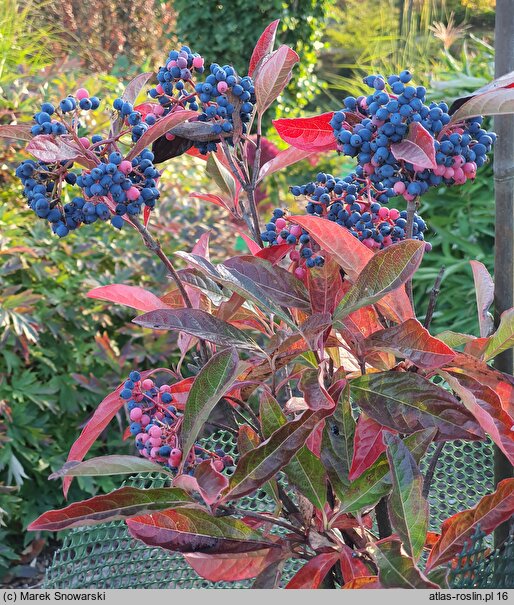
(284, 158)
(418, 148)
(314, 392)
(50, 149)
(210, 481)
(351, 566)
(272, 76)
(313, 573)
(189, 531)
(229, 567)
(312, 134)
(325, 286)
(413, 342)
(491, 511)
(367, 446)
(264, 46)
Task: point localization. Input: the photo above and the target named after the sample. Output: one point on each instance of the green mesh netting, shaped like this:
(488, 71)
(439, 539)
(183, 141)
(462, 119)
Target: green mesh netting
(105, 556)
(478, 567)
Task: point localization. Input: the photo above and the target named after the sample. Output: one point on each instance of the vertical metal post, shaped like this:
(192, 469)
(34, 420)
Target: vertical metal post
(504, 194)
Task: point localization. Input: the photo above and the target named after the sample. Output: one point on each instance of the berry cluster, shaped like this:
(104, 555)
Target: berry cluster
(174, 76)
(155, 424)
(368, 126)
(44, 124)
(222, 90)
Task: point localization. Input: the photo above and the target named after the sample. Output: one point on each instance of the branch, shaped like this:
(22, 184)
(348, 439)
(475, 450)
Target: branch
(433, 298)
(431, 469)
(232, 510)
(411, 210)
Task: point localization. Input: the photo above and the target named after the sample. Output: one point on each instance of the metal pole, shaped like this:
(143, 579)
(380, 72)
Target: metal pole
(504, 194)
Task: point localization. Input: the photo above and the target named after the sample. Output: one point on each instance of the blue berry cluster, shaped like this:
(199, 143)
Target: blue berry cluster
(155, 425)
(383, 118)
(43, 118)
(218, 107)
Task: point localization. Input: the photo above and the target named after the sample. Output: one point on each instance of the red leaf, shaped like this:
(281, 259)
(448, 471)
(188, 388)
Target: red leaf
(264, 46)
(367, 445)
(413, 342)
(130, 296)
(366, 583)
(195, 153)
(50, 149)
(285, 158)
(161, 127)
(325, 287)
(313, 573)
(210, 481)
(180, 391)
(418, 148)
(491, 511)
(252, 246)
(351, 566)
(103, 414)
(210, 197)
(352, 255)
(146, 215)
(308, 134)
(484, 287)
(230, 568)
(485, 405)
(146, 108)
(273, 76)
(315, 395)
(16, 131)
(273, 254)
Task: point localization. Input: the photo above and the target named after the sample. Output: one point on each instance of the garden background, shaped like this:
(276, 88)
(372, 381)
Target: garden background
(61, 352)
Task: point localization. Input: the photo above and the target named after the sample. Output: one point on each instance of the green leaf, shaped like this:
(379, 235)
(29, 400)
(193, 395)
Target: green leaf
(305, 471)
(395, 570)
(337, 443)
(503, 338)
(375, 482)
(107, 465)
(408, 509)
(454, 339)
(120, 504)
(221, 176)
(407, 402)
(211, 383)
(197, 323)
(386, 271)
(262, 463)
(195, 530)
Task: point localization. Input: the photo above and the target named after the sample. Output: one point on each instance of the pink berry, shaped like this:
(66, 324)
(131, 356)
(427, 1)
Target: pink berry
(300, 272)
(197, 62)
(165, 388)
(448, 173)
(294, 255)
(132, 195)
(222, 87)
(439, 170)
(158, 110)
(159, 415)
(142, 437)
(399, 187)
(144, 453)
(85, 142)
(387, 241)
(155, 431)
(171, 64)
(383, 213)
(145, 419)
(280, 223)
(147, 384)
(82, 93)
(169, 136)
(280, 239)
(125, 167)
(428, 246)
(159, 89)
(156, 442)
(296, 230)
(394, 214)
(136, 414)
(369, 242)
(218, 464)
(154, 452)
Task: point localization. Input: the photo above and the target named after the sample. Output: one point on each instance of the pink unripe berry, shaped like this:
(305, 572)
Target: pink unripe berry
(159, 415)
(383, 213)
(82, 93)
(218, 464)
(368, 242)
(156, 442)
(280, 239)
(159, 89)
(132, 195)
(448, 173)
(85, 142)
(158, 110)
(142, 437)
(300, 272)
(409, 197)
(296, 230)
(169, 136)
(294, 255)
(280, 223)
(155, 431)
(165, 388)
(399, 187)
(136, 414)
(197, 62)
(394, 214)
(147, 384)
(428, 246)
(176, 452)
(387, 241)
(458, 161)
(439, 170)
(145, 419)
(222, 87)
(144, 453)
(125, 167)
(171, 64)
(154, 451)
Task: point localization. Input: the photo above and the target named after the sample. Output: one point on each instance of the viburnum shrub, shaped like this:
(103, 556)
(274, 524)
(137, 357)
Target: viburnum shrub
(308, 349)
